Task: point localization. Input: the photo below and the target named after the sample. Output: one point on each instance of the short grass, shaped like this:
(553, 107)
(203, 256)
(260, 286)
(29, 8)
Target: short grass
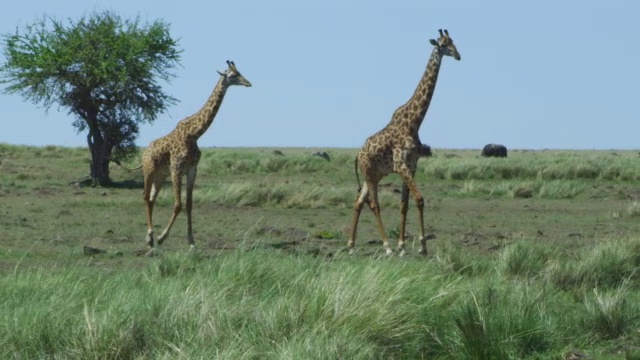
(533, 256)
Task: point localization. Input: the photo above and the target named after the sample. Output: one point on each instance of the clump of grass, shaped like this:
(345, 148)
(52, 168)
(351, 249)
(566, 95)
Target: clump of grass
(553, 172)
(246, 194)
(504, 323)
(523, 191)
(523, 258)
(476, 333)
(608, 264)
(291, 194)
(456, 259)
(561, 189)
(609, 313)
(633, 210)
(588, 170)
(176, 265)
(315, 197)
(327, 235)
(473, 188)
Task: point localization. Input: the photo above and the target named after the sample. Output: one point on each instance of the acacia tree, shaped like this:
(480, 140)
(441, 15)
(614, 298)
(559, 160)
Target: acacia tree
(103, 69)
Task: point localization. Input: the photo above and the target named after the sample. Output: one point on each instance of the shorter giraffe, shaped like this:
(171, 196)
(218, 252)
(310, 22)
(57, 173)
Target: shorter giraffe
(177, 154)
(396, 149)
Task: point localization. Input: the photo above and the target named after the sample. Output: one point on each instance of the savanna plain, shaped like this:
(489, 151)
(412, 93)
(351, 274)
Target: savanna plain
(534, 256)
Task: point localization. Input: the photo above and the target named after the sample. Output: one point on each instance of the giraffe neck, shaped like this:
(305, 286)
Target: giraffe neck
(412, 113)
(198, 124)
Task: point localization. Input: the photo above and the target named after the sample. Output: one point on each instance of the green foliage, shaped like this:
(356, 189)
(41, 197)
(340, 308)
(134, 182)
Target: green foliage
(103, 69)
(99, 61)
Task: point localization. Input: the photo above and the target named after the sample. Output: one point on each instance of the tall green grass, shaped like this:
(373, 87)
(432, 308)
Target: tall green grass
(252, 304)
(536, 166)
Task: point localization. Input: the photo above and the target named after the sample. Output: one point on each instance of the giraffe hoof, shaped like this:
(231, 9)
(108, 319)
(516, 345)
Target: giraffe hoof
(162, 237)
(389, 252)
(402, 252)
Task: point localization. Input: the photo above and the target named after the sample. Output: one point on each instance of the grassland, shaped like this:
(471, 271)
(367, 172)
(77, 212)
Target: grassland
(533, 256)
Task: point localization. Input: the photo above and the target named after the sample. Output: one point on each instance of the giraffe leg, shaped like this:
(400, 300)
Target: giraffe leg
(375, 207)
(410, 183)
(150, 193)
(404, 206)
(360, 200)
(191, 180)
(176, 179)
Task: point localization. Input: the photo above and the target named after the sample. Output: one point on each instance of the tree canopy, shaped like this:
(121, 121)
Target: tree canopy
(104, 70)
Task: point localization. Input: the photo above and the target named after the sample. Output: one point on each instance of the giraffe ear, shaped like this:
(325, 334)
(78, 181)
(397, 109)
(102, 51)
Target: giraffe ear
(222, 73)
(433, 42)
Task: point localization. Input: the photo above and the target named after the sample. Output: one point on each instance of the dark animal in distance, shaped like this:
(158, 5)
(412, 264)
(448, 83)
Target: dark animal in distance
(425, 151)
(322, 154)
(494, 150)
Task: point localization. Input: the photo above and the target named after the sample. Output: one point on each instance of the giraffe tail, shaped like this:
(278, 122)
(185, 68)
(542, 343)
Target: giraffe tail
(357, 177)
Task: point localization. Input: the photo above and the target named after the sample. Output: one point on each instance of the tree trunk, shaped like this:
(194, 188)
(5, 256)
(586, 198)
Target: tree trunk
(100, 153)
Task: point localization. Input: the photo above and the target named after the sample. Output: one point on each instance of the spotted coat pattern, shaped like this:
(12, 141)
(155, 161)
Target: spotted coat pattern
(396, 149)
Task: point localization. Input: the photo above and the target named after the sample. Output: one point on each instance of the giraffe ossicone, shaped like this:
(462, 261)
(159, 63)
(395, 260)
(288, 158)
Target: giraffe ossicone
(396, 149)
(177, 154)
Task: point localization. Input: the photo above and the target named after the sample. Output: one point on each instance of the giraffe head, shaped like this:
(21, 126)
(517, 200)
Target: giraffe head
(445, 45)
(232, 76)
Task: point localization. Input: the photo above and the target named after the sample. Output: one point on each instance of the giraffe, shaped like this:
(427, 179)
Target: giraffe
(177, 154)
(396, 149)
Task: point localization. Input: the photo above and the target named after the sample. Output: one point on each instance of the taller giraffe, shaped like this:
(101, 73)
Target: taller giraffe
(177, 154)
(396, 148)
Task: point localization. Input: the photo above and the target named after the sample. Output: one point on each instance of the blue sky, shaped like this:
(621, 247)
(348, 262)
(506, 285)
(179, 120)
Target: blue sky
(537, 74)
